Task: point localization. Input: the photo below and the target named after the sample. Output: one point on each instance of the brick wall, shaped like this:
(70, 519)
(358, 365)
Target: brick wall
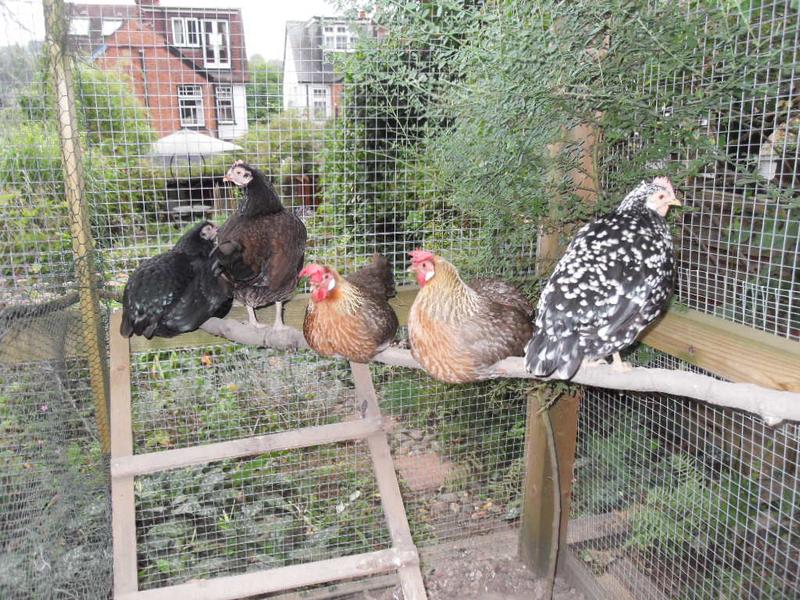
(156, 74)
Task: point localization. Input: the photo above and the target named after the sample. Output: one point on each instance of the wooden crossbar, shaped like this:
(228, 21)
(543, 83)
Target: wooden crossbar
(154, 462)
(279, 579)
(402, 558)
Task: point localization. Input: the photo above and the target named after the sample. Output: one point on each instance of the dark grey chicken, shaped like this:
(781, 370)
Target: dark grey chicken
(177, 291)
(260, 249)
(613, 281)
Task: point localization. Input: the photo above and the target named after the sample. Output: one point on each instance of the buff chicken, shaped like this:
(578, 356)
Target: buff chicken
(350, 317)
(458, 330)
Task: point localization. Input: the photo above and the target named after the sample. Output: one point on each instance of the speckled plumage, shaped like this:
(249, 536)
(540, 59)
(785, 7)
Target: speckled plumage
(175, 292)
(613, 281)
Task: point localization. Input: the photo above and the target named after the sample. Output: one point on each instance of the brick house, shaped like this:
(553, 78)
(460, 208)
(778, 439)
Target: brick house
(311, 86)
(188, 65)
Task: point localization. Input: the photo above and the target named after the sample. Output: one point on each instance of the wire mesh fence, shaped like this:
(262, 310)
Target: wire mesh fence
(165, 98)
(686, 500)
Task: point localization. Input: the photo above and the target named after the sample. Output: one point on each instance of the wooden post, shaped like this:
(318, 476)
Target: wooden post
(393, 508)
(539, 510)
(543, 529)
(85, 273)
(123, 509)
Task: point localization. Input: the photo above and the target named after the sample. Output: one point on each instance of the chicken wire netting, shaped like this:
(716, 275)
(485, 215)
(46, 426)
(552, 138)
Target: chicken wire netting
(341, 121)
(677, 499)
(457, 450)
(55, 539)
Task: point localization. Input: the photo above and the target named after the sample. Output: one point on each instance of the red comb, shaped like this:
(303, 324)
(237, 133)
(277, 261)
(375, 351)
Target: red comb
(419, 255)
(311, 270)
(665, 183)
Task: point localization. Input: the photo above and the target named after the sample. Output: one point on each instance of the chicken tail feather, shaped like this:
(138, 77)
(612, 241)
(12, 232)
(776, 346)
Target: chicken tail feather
(550, 355)
(377, 277)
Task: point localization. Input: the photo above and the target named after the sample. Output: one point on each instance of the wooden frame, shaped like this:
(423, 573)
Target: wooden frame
(402, 558)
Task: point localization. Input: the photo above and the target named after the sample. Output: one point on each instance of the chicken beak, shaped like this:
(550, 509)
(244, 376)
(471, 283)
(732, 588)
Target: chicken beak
(674, 202)
(227, 177)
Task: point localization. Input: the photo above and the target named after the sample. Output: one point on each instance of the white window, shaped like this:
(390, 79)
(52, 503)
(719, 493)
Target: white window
(319, 107)
(225, 105)
(190, 105)
(110, 26)
(337, 37)
(216, 44)
(185, 32)
(79, 26)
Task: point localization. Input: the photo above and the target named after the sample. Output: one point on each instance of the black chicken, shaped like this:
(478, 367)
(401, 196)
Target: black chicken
(176, 291)
(612, 282)
(260, 249)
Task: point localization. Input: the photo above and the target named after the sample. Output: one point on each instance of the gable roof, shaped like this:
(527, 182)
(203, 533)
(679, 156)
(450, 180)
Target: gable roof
(134, 34)
(154, 19)
(304, 41)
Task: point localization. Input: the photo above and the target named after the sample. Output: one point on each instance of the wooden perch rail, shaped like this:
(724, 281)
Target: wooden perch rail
(771, 405)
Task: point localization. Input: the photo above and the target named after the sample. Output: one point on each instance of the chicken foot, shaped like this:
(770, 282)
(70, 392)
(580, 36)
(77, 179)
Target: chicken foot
(279, 315)
(619, 365)
(252, 319)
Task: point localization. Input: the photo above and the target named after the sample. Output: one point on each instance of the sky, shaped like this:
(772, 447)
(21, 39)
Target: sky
(21, 20)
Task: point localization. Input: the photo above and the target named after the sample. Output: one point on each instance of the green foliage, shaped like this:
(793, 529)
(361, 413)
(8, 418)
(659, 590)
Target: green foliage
(54, 507)
(114, 132)
(376, 181)
(615, 464)
(37, 233)
(534, 70)
(17, 64)
(678, 513)
(264, 90)
(275, 509)
(111, 116)
(285, 147)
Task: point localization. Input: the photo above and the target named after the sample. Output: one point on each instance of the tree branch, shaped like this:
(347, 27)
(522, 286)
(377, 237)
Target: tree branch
(771, 405)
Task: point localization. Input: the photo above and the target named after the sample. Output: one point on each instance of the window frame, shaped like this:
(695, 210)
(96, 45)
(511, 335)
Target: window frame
(217, 63)
(197, 97)
(186, 35)
(338, 37)
(229, 101)
(84, 22)
(325, 95)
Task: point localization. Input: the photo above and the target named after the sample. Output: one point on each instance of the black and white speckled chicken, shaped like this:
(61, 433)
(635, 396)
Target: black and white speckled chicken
(176, 291)
(613, 281)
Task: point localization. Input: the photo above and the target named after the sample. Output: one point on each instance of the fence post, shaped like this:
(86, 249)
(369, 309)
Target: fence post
(56, 25)
(543, 528)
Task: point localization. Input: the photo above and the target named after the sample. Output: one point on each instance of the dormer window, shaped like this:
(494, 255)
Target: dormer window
(337, 37)
(216, 44)
(185, 32)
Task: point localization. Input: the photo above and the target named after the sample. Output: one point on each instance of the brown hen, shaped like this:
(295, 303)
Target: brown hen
(458, 331)
(350, 317)
(260, 248)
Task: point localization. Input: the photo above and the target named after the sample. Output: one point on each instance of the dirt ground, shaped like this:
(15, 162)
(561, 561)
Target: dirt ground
(480, 568)
(486, 568)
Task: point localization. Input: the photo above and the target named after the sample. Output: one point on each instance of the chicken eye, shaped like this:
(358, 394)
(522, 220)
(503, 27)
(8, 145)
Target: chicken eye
(661, 196)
